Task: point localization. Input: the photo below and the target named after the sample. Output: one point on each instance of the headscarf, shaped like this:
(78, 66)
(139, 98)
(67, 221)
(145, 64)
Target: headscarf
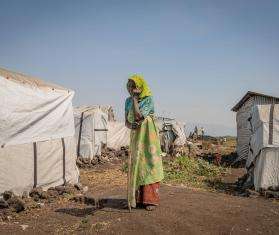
(141, 85)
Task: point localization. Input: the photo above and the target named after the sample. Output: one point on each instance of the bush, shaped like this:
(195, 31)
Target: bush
(192, 172)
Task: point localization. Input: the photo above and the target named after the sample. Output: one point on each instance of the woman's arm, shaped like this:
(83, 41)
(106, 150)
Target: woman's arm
(127, 123)
(138, 114)
(134, 125)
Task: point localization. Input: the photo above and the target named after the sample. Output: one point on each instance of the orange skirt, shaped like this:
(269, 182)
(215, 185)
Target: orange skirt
(148, 194)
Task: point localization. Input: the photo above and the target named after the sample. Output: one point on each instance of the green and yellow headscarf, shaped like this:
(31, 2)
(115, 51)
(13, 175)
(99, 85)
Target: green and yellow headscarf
(141, 85)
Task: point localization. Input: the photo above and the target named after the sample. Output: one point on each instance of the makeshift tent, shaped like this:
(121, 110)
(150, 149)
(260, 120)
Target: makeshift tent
(91, 131)
(243, 111)
(264, 146)
(107, 109)
(118, 135)
(171, 133)
(36, 134)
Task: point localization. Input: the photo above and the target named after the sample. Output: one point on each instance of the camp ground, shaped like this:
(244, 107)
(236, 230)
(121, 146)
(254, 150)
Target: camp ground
(70, 164)
(139, 117)
(36, 134)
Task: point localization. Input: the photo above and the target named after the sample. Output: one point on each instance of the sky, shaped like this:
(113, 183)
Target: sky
(198, 56)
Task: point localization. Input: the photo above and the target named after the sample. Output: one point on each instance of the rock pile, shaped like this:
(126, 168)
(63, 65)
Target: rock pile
(107, 155)
(10, 203)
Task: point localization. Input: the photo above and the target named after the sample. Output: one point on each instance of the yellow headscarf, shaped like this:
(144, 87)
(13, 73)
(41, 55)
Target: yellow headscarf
(141, 85)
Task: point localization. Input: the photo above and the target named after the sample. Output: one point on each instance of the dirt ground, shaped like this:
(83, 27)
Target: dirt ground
(182, 211)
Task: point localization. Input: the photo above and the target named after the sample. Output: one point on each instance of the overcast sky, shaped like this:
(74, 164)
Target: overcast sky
(199, 57)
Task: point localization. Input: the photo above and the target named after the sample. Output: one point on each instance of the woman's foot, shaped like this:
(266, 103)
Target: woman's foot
(150, 207)
(140, 205)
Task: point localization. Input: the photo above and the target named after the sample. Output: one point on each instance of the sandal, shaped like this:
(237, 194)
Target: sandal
(150, 207)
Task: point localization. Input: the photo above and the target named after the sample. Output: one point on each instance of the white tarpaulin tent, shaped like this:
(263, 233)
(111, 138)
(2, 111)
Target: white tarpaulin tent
(176, 127)
(264, 146)
(243, 111)
(118, 135)
(91, 131)
(36, 134)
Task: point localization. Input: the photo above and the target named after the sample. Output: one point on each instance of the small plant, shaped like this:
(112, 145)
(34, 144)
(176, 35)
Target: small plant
(191, 172)
(125, 167)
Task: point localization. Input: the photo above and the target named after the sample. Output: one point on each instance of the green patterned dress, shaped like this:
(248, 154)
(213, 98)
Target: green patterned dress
(145, 149)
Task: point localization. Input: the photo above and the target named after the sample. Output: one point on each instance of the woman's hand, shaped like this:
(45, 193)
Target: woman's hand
(135, 93)
(135, 125)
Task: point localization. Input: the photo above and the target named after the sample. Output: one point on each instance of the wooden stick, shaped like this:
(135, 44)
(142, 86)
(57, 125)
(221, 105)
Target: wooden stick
(129, 181)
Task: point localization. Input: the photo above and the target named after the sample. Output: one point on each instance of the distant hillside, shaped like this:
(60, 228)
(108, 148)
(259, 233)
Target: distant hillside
(212, 129)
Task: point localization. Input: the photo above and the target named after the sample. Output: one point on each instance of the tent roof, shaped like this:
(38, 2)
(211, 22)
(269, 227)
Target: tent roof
(92, 108)
(29, 81)
(247, 96)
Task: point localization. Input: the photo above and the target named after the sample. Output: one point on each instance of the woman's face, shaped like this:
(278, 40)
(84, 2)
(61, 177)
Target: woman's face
(131, 86)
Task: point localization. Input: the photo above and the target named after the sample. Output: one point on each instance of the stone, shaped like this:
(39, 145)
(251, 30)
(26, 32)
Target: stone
(52, 193)
(25, 195)
(84, 199)
(78, 198)
(3, 204)
(69, 189)
(85, 189)
(7, 195)
(60, 189)
(44, 195)
(89, 200)
(24, 226)
(78, 186)
(36, 193)
(17, 204)
(86, 160)
(271, 194)
(94, 161)
(273, 188)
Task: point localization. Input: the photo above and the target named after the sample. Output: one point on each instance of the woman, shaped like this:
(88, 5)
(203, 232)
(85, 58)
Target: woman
(146, 168)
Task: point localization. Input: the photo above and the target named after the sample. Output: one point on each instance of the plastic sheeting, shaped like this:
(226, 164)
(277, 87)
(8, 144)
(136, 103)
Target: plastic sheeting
(36, 134)
(266, 171)
(90, 131)
(118, 135)
(264, 146)
(30, 114)
(17, 164)
(177, 128)
(244, 131)
(265, 129)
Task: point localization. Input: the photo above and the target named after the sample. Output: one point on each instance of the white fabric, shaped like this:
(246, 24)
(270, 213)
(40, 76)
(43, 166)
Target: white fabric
(93, 131)
(266, 171)
(17, 165)
(177, 127)
(260, 130)
(264, 155)
(118, 135)
(32, 114)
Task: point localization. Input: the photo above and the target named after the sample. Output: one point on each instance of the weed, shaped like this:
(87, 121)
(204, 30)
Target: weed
(192, 172)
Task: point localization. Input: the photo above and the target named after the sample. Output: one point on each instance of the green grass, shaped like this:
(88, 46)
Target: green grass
(191, 172)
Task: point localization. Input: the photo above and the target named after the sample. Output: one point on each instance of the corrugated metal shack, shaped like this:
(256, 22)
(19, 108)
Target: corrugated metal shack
(243, 111)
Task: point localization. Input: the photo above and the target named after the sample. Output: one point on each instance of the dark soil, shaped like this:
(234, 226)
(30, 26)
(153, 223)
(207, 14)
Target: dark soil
(182, 211)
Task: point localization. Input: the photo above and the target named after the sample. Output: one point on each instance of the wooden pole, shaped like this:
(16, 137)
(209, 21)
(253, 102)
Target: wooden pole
(129, 181)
